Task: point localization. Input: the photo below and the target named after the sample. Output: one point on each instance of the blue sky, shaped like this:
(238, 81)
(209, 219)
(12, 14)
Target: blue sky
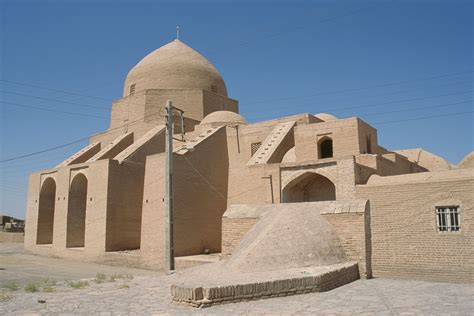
(392, 63)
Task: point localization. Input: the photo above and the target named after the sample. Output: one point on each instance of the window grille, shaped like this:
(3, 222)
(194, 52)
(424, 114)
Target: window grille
(447, 218)
(254, 148)
(132, 88)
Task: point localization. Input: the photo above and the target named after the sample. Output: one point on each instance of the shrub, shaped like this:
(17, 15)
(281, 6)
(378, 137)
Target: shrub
(100, 278)
(4, 296)
(12, 286)
(77, 284)
(32, 287)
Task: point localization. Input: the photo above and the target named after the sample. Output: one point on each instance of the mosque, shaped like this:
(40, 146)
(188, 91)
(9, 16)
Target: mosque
(405, 213)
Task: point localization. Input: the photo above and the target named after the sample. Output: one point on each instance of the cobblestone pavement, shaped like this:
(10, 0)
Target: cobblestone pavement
(150, 294)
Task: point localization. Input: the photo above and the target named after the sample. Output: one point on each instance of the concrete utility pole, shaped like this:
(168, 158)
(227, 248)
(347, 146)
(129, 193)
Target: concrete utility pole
(169, 188)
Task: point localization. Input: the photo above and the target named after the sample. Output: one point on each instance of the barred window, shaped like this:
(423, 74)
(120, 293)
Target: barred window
(447, 218)
(254, 147)
(132, 89)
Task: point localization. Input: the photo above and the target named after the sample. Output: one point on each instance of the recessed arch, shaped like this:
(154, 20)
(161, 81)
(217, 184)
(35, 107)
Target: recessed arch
(325, 148)
(76, 212)
(44, 231)
(309, 187)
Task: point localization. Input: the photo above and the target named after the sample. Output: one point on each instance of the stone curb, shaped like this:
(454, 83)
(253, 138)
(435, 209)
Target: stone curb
(207, 296)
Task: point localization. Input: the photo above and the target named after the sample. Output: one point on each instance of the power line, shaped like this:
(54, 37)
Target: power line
(77, 141)
(379, 104)
(53, 90)
(417, 108)
(55, 100)
(86, 138)
(424, 117)
(45, 150)
(53, 110)
(379, 94)
(366, 87)
(22, 166)
(347, 13)
(127, 110)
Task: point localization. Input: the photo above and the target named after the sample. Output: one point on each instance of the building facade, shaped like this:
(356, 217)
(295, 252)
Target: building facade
(106, 202)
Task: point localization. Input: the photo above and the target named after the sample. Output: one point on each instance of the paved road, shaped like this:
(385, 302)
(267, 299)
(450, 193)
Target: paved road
(148, 293)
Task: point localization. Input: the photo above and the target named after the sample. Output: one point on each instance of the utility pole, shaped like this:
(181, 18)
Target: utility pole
(169, 188)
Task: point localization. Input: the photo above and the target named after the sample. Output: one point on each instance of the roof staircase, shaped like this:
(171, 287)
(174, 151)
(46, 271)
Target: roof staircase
(189, 146)
(130, 150)
(271, 143)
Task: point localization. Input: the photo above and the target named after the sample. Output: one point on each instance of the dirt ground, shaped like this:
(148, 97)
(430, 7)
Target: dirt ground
(33, 285)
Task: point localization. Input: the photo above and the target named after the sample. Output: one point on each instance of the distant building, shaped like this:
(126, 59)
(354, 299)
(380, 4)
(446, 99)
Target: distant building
(108, 197)
(11, 224)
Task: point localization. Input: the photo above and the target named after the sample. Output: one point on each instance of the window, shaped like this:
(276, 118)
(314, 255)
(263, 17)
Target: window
(447, 218)
(132, 88)
(214, 88)
(325, 148)
(254, 148)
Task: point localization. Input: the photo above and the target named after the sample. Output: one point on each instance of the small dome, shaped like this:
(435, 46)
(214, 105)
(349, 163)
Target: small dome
(174, 66)
(223, 118)
(468, 161)
(325, 117)
(425, 159)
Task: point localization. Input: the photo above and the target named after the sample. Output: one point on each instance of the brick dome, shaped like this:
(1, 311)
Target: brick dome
(174, 66)
(223, 118)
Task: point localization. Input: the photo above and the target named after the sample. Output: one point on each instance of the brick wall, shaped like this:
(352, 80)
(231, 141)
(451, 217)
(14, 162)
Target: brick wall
(351, 230)
(405, 240)
(233, 230)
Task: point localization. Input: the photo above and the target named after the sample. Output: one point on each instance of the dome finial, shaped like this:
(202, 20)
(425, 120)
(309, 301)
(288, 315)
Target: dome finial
(177, 32)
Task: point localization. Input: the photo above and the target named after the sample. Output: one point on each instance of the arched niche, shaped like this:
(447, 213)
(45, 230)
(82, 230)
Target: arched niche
(76, 213)
(44, 232)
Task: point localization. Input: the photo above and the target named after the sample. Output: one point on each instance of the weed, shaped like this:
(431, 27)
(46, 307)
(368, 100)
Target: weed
(126, 276)
(5, 296)
(32, 287)
(48, 289)
(77, 284)
(12, 286)
(48, 282)
(123, 286)
(100, 278)
(114, 277)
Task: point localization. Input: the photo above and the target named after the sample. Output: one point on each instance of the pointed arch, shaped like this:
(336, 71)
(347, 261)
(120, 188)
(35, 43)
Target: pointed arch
(309, 187)
(76, 212)
(325, 148)
(44, 231)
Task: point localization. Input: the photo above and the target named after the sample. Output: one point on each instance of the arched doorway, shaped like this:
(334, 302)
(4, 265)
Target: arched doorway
(309, 187)
(76, 212)
(44, 231)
